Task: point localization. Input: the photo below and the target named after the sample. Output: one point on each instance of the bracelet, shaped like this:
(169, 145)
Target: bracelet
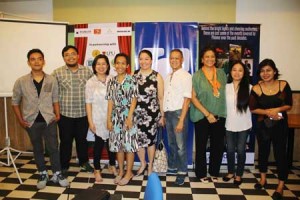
(207, 115)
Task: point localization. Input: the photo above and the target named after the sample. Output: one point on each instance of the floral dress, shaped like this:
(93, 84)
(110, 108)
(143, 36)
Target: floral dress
(147, 109)
(121, 94)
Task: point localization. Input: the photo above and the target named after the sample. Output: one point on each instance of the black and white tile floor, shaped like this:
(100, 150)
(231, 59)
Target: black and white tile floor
(192, 188)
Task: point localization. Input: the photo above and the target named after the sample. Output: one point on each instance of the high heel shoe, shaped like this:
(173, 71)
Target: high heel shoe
(227, 178)
(124, 181)
(259, 186)
(141, 172)
(236, 182)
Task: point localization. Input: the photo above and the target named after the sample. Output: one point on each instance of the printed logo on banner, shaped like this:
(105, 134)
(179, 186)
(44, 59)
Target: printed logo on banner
(97, 31)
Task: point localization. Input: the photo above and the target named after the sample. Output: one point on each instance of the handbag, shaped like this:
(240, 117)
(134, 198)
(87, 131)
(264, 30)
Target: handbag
(160, 163)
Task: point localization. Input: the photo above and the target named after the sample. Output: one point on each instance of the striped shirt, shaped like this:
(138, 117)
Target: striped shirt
(72, 90)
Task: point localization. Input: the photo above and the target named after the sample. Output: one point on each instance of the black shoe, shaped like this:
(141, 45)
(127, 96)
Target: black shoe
(235, 182)
(276, 196)
(86, 167)
(259, 186)
(227, 178)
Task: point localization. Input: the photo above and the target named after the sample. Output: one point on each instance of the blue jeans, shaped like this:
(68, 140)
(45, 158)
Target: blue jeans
(236, 142)
(177, 158)
(38, 132)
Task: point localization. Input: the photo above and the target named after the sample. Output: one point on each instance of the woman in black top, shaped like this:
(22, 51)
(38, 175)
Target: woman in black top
(270, 99)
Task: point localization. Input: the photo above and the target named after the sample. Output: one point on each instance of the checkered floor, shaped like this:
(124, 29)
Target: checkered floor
(192, 188)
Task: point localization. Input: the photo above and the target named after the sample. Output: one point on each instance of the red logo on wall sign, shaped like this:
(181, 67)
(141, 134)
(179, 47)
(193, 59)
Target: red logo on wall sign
(97, 31)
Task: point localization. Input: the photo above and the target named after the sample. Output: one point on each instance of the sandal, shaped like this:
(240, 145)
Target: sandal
(112, 169)
(204, 180)
(124, 181)
(98, 177)
(214, 179)
(141, 170)
(117, 179)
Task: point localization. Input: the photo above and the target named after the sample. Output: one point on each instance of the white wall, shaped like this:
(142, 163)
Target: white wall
(280, 33)
(29, 9)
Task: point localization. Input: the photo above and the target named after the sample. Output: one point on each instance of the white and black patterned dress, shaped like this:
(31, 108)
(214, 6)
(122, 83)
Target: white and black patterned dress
(147, 109)
(121, 139)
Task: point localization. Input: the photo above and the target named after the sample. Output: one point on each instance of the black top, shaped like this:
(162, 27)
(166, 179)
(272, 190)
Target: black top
(38, 86)
(283, 97)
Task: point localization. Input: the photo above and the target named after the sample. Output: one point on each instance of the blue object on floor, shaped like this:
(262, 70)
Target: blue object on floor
(153, 189)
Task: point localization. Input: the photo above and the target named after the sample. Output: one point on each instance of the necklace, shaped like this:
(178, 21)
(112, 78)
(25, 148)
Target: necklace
(270, 88)
(102, 80)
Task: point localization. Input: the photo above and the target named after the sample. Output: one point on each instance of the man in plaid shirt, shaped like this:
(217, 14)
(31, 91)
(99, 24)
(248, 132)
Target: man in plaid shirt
(73, 123)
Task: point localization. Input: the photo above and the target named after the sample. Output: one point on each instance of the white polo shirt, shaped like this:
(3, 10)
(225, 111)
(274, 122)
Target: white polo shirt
(177, 86)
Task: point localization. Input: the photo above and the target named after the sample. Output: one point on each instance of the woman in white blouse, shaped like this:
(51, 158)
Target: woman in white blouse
(96, 108)
(238, 121)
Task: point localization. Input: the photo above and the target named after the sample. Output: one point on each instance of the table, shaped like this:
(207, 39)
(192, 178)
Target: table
(293, 123)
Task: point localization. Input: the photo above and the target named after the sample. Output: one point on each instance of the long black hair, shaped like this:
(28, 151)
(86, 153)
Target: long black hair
(242, 102)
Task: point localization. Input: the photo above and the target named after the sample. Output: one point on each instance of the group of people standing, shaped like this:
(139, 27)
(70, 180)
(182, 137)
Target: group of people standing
(124, 112)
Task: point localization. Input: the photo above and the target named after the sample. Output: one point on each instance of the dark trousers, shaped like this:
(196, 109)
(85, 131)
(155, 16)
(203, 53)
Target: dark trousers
(38, 133)
(216, 133)
(98, 147)
(69, 129)
(278, 135)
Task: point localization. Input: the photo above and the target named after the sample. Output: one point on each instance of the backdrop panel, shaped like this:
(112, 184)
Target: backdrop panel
(234, 42)
(160, 38)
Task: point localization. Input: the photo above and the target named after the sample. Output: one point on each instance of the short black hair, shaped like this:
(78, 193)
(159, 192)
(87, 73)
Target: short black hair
(204, 50)
(177, 50)
(34, 51)
(66, 48)
(122, 55)
(95, 62)
(268, 62)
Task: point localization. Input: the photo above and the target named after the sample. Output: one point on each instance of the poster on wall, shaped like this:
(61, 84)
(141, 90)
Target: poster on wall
(160, 38)
(104, 38)
(234, 42)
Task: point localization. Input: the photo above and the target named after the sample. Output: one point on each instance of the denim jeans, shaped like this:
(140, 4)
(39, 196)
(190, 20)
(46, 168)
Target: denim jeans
(39, 131)
(236, 142)
(177, 158)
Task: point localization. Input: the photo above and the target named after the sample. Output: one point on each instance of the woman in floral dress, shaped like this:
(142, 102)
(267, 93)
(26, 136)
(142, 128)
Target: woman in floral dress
(149, 110)
(121, 95)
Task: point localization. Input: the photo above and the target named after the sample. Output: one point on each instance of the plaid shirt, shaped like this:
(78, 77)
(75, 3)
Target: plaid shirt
(72, 90)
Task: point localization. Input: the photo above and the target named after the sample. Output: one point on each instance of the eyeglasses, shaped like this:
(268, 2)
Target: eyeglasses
(70, 55)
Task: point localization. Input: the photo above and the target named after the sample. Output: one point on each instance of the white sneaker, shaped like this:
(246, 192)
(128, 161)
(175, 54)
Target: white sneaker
(43, 179)
(59, 178)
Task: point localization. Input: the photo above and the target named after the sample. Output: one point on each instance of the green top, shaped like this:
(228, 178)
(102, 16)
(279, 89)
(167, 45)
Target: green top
(204, 93)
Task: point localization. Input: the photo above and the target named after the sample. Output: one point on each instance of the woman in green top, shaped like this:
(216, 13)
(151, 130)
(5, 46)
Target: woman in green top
(208, 112)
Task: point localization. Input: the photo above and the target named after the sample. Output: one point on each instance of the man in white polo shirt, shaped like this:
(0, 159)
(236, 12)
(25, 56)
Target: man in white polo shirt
(177, 94)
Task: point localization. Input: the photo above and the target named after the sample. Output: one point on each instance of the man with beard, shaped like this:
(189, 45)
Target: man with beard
(73, 123)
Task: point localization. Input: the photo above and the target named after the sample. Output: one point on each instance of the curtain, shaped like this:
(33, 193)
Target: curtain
(125, 43)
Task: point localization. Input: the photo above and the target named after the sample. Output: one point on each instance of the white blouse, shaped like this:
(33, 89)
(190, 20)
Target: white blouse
(236, 121)
(95, 92)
